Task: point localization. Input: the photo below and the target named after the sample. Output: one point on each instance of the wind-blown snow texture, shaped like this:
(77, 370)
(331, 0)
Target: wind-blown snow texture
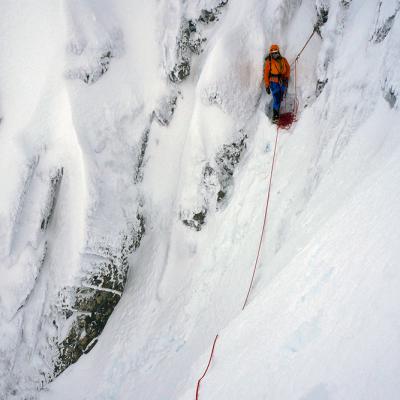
(134, 153)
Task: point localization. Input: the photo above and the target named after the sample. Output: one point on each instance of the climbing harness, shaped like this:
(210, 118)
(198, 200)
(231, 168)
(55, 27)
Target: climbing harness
(285, 122)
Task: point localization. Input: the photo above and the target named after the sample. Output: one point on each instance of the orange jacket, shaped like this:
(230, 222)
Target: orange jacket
(275, 69)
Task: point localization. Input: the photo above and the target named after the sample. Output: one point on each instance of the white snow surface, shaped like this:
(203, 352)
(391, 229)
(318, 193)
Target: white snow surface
(322, 321)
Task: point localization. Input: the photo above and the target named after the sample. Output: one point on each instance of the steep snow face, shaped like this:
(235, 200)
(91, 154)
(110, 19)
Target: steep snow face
(135, 137)
(75, 107)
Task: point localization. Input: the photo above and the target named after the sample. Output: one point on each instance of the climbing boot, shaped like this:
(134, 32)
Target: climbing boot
(275, 116)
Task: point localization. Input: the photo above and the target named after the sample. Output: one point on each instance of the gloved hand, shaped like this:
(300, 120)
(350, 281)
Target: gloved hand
(268, 90)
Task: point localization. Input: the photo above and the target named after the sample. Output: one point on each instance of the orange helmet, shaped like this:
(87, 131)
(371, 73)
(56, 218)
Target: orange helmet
(274, 48)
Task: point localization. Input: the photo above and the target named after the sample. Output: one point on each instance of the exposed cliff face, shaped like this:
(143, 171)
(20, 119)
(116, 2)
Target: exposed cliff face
(87, 306)
(191, 40)
(134, 150)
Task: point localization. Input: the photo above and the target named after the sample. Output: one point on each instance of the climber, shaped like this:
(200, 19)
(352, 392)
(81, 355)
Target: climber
(276, 78)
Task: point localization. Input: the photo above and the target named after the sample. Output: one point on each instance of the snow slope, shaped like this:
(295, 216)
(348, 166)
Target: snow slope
(321, 322)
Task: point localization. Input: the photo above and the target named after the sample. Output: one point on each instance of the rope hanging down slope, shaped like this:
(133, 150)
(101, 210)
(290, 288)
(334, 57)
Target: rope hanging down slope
(266, 206)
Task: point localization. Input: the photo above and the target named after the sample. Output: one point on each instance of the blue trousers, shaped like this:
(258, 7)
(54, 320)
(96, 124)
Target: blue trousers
(277, 90)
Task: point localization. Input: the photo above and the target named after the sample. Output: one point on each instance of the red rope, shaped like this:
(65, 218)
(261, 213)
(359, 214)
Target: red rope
(308, 41)
(255, 264)
(284, 122)
(280, 125)
(265, 218)
(208, 366)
